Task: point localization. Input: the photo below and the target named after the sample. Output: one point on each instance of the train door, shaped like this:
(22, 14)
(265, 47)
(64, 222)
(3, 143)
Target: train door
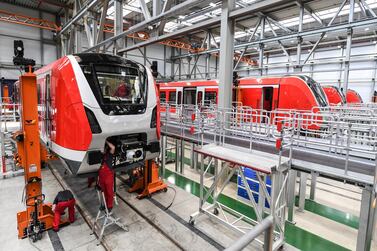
(267, 98)
(267, 102)
(179, 93)
(47, 109)
(200, 95)
(189, 96)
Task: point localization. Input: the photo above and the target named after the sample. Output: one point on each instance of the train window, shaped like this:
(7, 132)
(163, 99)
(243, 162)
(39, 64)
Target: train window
(179, 98)
(163, 97)
(317, 90)
(199, 100)
(189, 96)
(210, 97)
(39, 94)
(172, 97)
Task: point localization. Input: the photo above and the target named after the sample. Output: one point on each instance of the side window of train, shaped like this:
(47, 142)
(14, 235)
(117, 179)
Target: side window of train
(39, 93)
(179, 98)
(172, 97)
(162, 97)
(210, 97)
(47, 103)
(200, 98)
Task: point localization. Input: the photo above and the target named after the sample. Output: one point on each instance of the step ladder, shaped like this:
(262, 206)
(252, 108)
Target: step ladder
(107, 216)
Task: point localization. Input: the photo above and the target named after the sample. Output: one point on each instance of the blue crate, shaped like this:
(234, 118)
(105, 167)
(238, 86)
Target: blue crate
(252, 181)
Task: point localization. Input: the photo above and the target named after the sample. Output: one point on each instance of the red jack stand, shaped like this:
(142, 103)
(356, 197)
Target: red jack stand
(150, 182)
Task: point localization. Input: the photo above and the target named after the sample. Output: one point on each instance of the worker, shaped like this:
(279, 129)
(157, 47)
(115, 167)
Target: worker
(106, 175)
(123, 91)
(64, 199)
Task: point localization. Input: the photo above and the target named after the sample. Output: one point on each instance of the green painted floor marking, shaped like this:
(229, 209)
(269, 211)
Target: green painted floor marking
(312, 206)
(294, 235)
(331, 213)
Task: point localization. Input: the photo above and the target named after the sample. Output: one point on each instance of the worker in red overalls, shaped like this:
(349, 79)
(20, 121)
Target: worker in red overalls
(122, 91)
(64, 199)
(106, 175)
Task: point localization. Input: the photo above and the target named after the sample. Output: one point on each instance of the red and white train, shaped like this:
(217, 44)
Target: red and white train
(353, 97)
(88, 98)
(334, 95)
(267, 93)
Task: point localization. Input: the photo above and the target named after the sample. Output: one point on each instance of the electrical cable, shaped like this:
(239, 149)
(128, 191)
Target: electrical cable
(171, 203)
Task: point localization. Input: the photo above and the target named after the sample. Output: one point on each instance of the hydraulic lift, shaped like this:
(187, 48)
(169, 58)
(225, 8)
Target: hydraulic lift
(38, 215)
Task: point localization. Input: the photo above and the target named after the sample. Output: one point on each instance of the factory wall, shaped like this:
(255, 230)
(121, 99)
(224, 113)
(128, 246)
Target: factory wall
(38, 44)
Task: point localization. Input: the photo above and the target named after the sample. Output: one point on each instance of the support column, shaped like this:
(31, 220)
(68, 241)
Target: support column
(261, 46)
(163, 155)
(177, 155)
(118, 24)
(348, 48)
(302, 192)
(313, 185)
(182, 157)
(291, 193)
(226, 55)
(298, 67)
(366, 220)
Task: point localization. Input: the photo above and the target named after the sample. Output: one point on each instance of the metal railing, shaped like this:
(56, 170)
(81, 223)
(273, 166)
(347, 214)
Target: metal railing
(344, 132)
(266, 226)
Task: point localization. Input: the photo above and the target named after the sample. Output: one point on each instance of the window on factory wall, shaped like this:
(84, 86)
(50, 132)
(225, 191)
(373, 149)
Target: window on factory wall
(172, 97)
(210, 98)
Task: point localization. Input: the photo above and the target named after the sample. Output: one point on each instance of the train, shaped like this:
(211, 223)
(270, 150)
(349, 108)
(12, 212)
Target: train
(334, 95)
(353, 97)
(88, 98)
(267, 93)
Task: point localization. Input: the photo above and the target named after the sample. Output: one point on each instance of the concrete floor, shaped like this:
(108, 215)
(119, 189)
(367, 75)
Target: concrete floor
(73, 237)
(332, 193)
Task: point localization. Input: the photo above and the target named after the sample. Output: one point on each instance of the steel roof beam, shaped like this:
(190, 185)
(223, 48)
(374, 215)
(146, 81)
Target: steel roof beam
(78, 15)
(176, 10)
(252, 9)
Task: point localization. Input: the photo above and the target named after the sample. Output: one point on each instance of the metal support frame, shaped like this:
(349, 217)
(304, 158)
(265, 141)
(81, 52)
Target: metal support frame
(233, 219)
(226, 52)
(367, 220)
(302, 191)
(313, 185)
(118, 23)
(348, 47)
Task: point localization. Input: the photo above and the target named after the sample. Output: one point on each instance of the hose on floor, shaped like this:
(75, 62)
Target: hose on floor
(171, 203)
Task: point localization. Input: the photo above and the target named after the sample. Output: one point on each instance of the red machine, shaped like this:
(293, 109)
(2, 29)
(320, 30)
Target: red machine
(267, 93)
(38, 216)
(353, 97)
(334, 95)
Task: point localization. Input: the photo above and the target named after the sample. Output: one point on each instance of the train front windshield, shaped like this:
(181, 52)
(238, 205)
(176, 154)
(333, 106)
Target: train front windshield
(119, 88)
(317, 90)
(121, 84)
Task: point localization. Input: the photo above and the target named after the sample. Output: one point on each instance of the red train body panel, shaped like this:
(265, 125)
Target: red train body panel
(334, 95)
(267, 93)
(66, 108)
(353, 97)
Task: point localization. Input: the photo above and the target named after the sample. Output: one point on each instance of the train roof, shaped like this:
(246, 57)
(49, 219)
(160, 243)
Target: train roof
(215, 82)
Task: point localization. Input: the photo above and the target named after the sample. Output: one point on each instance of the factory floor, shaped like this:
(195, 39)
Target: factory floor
(151, 225)
(329, 223)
